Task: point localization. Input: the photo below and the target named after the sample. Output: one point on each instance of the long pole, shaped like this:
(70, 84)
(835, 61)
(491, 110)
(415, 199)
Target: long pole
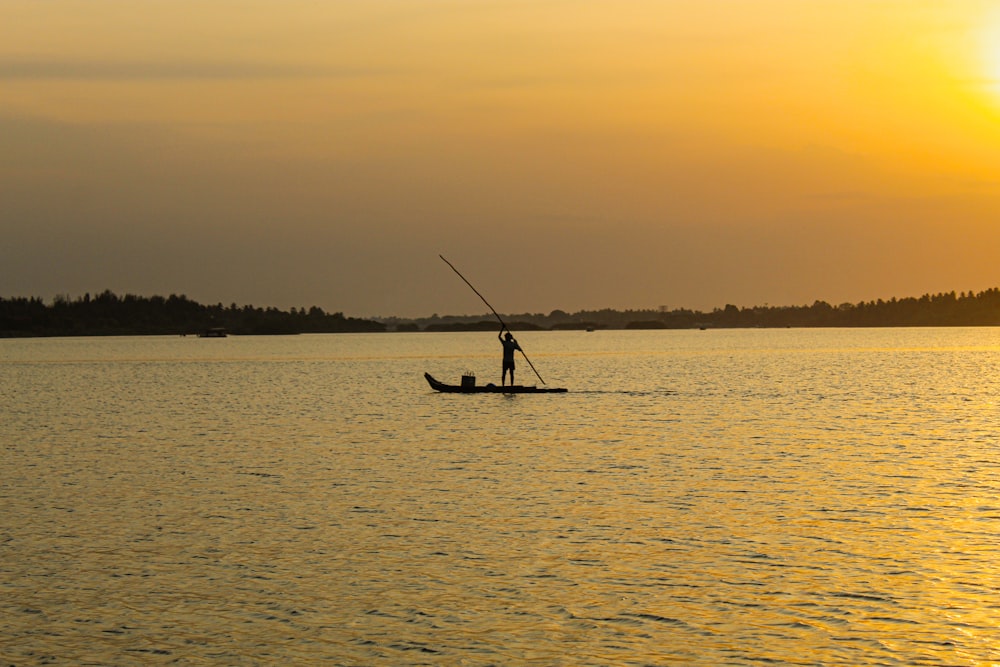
(500, 319)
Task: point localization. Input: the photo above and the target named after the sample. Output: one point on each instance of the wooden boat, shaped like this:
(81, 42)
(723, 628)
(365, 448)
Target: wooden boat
(469, 386)
(214, 332)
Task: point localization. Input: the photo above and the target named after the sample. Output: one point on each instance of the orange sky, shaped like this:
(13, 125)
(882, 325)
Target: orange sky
(562, 154)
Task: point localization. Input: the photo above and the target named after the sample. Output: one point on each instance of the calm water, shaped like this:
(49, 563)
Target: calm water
(827, 497)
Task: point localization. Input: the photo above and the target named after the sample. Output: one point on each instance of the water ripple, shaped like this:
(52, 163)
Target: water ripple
(792, 497)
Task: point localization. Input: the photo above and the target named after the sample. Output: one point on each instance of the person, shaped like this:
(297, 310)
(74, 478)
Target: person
(509, 345)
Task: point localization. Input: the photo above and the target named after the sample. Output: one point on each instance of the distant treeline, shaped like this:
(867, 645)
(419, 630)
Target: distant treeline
(108, 314)
(946, 309)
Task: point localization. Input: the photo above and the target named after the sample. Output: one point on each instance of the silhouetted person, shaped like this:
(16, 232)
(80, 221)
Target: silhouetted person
(509, 345)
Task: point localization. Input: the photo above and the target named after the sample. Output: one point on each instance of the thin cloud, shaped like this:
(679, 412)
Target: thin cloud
(127, 71)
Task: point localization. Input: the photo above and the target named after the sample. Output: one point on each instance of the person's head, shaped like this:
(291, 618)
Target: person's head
(508, 336)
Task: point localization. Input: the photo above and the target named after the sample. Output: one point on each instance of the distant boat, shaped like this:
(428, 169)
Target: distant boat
(469, 386)
(214, 332)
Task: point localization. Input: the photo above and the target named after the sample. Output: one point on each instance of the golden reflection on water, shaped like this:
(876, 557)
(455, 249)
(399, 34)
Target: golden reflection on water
(724, 497)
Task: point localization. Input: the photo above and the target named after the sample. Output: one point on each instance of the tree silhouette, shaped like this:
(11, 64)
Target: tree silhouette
(109, 314)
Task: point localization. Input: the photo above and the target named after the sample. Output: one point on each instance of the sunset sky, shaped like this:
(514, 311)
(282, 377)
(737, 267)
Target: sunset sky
(570, 155)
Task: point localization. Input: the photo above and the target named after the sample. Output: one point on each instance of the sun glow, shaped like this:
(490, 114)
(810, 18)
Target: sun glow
(991, 53)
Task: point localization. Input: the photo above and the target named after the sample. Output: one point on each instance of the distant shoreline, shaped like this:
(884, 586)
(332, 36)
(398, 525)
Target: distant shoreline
(108, 314)
(945, 309)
